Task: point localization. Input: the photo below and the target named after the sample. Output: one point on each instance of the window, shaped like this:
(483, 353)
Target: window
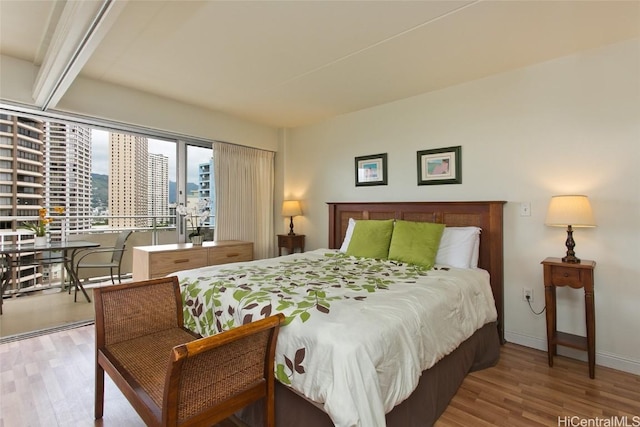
(102, 177)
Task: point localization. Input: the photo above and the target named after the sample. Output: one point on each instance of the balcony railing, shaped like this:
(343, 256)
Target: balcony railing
(46, 276)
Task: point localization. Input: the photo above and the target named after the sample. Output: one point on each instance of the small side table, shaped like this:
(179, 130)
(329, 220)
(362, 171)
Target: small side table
(290, 243)
(576, 276)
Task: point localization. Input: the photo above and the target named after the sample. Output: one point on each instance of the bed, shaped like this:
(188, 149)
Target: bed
(354, 349)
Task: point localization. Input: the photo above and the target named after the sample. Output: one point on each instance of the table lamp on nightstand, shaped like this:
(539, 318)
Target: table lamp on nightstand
(570, 211)
(291, 208)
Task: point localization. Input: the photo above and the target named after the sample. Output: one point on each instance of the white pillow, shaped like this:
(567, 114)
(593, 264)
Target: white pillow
(476, 252)
(458, 247)
(347, 235)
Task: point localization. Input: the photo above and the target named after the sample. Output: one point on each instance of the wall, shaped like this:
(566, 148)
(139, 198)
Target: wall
(567, 126)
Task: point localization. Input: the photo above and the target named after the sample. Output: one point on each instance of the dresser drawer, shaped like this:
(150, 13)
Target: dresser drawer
(566, 276)
(150, 262)
(230, 253)
(163, 263)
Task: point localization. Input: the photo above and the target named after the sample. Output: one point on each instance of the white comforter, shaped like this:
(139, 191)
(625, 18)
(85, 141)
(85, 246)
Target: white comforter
(358, 332)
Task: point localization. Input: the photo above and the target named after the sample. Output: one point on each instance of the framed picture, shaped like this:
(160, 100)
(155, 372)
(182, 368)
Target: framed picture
(440, 166)
(371, 170)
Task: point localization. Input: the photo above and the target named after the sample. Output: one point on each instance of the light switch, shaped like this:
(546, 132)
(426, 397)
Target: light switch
(525, 209)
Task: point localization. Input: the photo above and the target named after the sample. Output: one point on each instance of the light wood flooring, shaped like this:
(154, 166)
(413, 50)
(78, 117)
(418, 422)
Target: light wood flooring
(48, 381)
(522, 390)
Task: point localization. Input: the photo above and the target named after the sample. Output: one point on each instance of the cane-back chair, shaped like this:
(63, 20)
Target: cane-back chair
(169, 375)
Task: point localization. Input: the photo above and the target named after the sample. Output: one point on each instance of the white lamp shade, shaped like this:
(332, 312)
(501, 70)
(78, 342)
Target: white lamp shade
(291, 208)
(570, 210)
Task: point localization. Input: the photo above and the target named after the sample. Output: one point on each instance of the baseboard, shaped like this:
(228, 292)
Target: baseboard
(602, 359)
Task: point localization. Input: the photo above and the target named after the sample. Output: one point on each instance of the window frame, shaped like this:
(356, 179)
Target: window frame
(182, 141)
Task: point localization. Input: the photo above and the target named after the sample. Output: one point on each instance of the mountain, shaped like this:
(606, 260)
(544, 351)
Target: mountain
(99, 191)
(173, 193)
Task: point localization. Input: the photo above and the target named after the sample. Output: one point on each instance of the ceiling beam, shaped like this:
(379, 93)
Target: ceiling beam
(78, 32)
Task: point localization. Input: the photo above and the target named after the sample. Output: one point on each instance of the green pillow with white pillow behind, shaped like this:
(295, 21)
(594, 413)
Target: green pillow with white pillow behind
(415, 242)
(371, 239)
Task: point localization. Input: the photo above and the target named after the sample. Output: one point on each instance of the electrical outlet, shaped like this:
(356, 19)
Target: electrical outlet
(526, 292)
(525, 209)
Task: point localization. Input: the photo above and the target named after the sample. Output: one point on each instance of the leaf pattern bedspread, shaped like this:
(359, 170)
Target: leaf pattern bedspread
(358, 332)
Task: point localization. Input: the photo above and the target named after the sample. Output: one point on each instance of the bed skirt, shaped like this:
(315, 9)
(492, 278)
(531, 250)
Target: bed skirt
(436, 388)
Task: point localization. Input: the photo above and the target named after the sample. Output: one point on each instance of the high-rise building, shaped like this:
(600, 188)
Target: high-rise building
(206, 187)
(67, 175)
(158, 188)
(21, 184)
(21, 169)
(128, 184)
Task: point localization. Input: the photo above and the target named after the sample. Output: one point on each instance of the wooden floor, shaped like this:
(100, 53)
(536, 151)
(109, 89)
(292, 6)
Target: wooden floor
(48, 381)
(522, 390)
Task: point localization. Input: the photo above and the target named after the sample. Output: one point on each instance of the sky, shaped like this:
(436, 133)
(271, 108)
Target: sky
(100, 155)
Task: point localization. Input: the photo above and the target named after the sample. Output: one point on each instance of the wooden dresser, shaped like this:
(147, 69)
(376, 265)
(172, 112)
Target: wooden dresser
(150, 262)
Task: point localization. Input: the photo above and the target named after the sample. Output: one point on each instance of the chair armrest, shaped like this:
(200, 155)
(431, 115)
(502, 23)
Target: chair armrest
(253, 378)
(83, 251)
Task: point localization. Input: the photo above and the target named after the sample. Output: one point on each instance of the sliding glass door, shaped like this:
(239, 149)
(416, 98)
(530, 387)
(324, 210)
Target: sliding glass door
(89, 180)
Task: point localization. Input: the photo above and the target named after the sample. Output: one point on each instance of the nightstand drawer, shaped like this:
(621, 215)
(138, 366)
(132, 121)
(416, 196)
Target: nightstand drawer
(290, 242)
(565, 276)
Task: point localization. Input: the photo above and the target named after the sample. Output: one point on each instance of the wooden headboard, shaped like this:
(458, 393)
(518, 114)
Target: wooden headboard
(486, 215)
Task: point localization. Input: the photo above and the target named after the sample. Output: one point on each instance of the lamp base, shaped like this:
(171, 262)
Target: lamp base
(291, 233)
(571, 255)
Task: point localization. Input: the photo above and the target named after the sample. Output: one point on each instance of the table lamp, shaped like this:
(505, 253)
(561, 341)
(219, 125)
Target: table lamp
(570, 211)
(291, 208)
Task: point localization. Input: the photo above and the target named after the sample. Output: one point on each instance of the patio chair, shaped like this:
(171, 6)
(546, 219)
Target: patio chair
(114, 265)
(169, 375)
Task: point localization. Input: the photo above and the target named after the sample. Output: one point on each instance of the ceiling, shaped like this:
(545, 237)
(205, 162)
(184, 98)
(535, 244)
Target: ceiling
(292, 63)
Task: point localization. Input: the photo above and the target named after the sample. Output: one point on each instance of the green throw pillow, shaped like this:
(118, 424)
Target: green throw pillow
(415, 242)
(371, 239)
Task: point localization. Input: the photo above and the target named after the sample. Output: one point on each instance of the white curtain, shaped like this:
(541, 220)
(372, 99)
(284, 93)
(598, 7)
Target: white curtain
(244, 180)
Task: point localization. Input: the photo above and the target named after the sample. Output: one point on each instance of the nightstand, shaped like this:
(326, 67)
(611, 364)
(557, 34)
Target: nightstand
(576, 276)
(290, 243)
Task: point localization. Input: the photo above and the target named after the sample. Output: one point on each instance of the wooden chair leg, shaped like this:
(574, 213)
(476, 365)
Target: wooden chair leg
(99, 394)
(270, 416)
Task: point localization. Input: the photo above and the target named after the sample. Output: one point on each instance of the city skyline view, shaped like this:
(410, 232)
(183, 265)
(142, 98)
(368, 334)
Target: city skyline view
(66, 172)
(100, 155)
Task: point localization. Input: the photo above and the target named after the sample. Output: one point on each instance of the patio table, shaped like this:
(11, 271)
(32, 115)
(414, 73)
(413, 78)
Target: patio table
(12, 254)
